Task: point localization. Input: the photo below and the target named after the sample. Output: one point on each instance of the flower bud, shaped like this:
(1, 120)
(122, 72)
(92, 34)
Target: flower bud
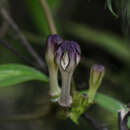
(67, 57)
(96, 76)
(51, 44)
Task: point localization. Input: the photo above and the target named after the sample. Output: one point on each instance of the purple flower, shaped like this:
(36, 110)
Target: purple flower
(67, 57)
(51, 44)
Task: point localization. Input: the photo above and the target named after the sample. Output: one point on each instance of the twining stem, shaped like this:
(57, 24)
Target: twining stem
(17, 53)
(24, 41)
(48, 17)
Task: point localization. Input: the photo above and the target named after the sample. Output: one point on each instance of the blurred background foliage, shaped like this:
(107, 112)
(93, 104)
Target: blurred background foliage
(103, 34)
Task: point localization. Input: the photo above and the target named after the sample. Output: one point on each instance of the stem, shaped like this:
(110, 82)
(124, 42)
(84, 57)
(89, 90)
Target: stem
(17, 53)
(15, 27)
(91, 95)
(48, 17)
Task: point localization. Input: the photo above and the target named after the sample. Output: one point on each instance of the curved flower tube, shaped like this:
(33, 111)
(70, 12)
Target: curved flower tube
(51, 44)
(67, 57)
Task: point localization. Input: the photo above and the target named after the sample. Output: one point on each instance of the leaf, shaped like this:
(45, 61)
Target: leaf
(108, 41)
(109, 103)
(11, 74)
(125, 15)
(109, 5)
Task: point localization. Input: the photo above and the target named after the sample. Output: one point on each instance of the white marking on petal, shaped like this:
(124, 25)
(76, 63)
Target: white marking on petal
(77, 59)
(65, 60)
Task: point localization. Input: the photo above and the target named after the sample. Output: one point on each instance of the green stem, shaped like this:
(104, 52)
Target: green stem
(91, 94)
(48, 17)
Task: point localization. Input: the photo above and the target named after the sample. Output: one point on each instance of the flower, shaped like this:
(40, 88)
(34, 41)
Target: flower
(67, 57)
(51, 44)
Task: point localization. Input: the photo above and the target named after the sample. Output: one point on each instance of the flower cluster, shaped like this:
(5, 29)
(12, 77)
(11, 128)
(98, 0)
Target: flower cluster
(65, 55)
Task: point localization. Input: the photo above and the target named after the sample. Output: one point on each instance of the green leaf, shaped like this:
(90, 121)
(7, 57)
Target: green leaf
(109, 5)
(11, 74)
(108, 103)
(108, 41)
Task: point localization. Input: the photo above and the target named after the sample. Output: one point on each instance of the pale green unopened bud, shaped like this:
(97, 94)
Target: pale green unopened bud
(96, 76)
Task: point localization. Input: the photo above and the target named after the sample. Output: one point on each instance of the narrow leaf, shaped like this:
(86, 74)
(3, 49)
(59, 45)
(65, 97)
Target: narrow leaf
(109, 103)
(109, 5)
(11, 74)
(108, 41)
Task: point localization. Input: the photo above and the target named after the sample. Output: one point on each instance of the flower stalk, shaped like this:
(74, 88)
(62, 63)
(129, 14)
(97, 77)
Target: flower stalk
(48, 16)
